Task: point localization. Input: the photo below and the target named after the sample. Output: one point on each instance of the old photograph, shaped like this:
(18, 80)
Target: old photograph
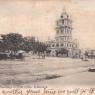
(47, 43)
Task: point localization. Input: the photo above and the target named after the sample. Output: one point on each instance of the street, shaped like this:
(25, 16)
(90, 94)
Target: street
(49, 71)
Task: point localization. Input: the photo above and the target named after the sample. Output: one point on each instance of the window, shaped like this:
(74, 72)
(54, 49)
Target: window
(67, 45)
(61, 39)
(61, 31)
(62, 21)
(57, 45)
(61, 44)
(48, 45)
(70, 45)
(52, 45)
(65, 38)
(57, 31)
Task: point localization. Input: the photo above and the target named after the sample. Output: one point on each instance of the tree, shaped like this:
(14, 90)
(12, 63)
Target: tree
(12, 41)
(28, 43)
(15, 42)
(39, 47)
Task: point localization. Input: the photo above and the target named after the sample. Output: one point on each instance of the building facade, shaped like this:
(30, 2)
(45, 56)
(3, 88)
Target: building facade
(63, 43)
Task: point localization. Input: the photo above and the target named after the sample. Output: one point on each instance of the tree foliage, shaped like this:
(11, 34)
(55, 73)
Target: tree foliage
(15, 42)
(12, 41)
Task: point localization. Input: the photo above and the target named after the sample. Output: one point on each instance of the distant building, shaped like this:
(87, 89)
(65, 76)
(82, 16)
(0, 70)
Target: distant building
(90, 53)
(63, 40)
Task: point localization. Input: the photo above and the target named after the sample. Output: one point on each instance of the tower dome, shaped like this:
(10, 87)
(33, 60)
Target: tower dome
(64, 14)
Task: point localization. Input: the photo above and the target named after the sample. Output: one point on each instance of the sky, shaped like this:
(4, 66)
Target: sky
(38, 18)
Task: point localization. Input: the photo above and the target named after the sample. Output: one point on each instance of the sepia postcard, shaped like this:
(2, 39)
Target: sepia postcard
(47, 47)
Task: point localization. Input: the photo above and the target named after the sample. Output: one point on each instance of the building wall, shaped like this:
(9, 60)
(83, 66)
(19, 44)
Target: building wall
(63, 38)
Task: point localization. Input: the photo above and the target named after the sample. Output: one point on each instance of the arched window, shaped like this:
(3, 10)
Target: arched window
(67, 44)
(57, 45)
(52, 45)
(70, 45)
(62, 21)
(61, 44)
(61, 31)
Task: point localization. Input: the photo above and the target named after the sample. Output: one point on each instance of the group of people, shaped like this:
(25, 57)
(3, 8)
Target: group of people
(39, 55)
